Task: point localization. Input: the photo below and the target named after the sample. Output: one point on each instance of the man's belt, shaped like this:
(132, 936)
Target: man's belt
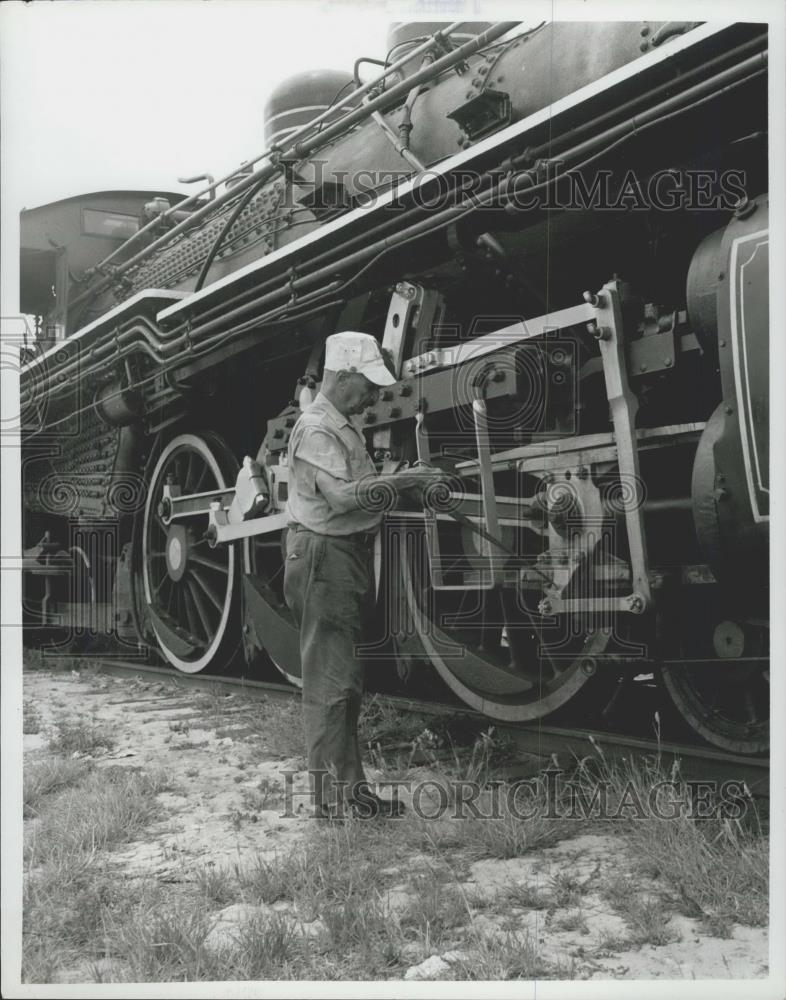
(362, 537)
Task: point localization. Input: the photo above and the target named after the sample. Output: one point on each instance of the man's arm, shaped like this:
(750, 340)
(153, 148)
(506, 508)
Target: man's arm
(365, 494)
(323, 466)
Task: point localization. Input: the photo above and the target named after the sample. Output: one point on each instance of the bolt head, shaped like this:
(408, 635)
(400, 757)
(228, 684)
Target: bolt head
(636, 604)
(588, 666)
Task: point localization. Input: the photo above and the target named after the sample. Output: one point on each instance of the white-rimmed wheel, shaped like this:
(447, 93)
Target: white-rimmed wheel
(493, 649)
(189, 588)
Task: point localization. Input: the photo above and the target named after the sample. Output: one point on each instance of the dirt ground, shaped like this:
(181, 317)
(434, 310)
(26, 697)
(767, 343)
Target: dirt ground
(222, 758)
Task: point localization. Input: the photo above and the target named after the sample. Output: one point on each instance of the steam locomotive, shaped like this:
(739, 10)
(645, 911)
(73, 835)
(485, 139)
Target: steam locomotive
(559, 236)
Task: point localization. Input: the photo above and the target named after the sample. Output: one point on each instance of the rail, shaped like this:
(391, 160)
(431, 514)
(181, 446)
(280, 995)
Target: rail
(540, 744)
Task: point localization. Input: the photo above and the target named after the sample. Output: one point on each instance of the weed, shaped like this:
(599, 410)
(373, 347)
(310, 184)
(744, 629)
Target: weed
(435, 909)
(525, 896)
(381, 723)
(161, 943)
(494, 957)
(67, 897)
(566, 889)
(237, 818)
(109, 806)
(267, 794)
(267, 882)
(609, 943)
(31, 718)
(506, 826)
(574, 921)
(645, 915)
(717, 868)
(217, 884)
(65, 906)
(650, 923)
(48, 776)
(80, 736)
(268, 947)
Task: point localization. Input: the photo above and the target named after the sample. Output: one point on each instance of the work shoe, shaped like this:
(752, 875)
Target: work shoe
(370, 806)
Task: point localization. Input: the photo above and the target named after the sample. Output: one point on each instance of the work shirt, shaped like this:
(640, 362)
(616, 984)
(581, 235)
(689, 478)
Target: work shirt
(323, 439)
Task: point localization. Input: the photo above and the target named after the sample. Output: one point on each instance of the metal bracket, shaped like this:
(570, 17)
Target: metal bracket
(492, 577)
(221, 532)
(430, 518)
(480, 417)
(608, 330)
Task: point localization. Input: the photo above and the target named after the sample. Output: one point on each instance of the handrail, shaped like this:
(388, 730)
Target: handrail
(301, 150)
(297, 134)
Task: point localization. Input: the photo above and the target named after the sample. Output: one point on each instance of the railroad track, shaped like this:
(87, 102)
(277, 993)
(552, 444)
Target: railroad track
(538, 744)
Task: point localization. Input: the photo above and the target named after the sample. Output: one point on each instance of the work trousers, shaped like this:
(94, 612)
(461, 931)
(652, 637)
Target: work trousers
(329, 587)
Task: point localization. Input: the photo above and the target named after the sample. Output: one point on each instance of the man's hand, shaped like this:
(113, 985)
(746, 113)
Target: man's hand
(421, 478)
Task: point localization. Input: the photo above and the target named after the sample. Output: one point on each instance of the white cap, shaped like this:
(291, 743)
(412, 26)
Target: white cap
(357, 352)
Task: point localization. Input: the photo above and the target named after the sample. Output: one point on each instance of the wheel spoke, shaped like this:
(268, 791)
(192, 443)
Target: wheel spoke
(209, 563)
(197, 576)
(189, 473)
(197, 487)
(188, 602)
(170, 600)
(199, 604)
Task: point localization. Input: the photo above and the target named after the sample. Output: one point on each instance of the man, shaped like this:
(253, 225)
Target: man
(329, 568)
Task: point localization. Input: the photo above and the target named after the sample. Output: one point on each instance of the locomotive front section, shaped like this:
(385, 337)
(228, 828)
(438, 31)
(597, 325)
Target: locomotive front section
(567, 269)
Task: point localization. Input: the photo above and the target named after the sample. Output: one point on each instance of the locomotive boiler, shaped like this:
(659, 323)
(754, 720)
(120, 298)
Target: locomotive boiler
(559, 236)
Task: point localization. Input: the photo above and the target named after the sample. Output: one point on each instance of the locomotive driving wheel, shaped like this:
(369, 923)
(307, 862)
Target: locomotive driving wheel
(721, 689)
(189, 587)
(727, 703)
(493, 649)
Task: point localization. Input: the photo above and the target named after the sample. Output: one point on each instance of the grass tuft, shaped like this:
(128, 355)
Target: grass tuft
(46, 777)
(31, 718)
(110, 806)
(80, 736)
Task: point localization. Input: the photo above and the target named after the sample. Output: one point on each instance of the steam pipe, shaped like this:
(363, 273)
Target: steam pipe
(303, 130)
(299, 150)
